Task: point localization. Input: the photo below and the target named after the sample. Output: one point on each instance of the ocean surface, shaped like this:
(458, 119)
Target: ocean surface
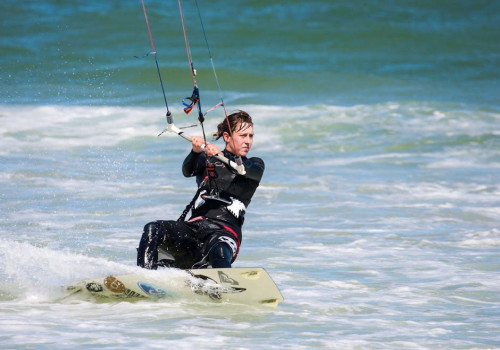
(378, 216)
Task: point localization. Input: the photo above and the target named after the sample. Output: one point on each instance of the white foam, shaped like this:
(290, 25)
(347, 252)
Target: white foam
(379, 223)
(39, 271)
(481, 239)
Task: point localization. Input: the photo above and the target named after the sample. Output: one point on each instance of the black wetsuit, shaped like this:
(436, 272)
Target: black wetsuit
(212, 236)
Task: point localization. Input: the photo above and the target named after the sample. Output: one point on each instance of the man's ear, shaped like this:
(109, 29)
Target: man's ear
(226, 137)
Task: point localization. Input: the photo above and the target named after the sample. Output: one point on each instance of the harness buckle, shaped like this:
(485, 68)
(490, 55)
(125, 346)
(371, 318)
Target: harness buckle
(211, 171)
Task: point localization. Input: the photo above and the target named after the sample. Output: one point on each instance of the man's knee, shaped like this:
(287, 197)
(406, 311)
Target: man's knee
(220, 255)
(151, 227)
(146, 252)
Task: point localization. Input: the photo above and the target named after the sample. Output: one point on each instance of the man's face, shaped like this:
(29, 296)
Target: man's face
(241, 140)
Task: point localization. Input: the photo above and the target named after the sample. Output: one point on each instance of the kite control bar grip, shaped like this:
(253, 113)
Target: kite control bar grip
(238, 167)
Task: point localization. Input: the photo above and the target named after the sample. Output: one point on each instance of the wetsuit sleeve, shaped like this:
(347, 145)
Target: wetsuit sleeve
(193, 164)
(254, 168)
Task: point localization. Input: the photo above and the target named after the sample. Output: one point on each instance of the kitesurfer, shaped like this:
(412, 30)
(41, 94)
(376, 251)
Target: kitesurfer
(212, 236)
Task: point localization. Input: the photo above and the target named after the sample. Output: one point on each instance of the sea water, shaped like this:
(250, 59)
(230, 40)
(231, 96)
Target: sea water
(378, 215)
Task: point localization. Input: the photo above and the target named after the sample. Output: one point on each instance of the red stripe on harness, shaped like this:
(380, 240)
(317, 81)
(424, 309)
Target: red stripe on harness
(236, 236)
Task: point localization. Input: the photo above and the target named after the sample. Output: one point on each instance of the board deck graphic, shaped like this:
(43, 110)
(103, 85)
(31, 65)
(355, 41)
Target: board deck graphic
(241, 285)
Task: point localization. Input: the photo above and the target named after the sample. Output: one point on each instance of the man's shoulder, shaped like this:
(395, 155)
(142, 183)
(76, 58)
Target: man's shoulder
(254, 160)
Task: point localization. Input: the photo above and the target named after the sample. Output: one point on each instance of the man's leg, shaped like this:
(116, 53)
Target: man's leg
(147, 253)
(177, 239)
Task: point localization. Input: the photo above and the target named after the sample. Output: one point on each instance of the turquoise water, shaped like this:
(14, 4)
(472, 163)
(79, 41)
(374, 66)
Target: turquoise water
(378, 215)
(326, 52)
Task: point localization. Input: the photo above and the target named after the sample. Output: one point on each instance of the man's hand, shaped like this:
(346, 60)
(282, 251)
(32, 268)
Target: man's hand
(198, 143)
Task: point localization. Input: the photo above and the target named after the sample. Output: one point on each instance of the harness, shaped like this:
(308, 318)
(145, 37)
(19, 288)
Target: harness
(201, 193)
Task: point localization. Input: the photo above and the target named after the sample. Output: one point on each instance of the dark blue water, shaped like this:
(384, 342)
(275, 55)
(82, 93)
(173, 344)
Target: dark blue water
(342, 52)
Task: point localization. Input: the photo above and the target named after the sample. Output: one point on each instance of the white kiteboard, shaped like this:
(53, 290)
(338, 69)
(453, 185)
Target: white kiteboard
(240, 285)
